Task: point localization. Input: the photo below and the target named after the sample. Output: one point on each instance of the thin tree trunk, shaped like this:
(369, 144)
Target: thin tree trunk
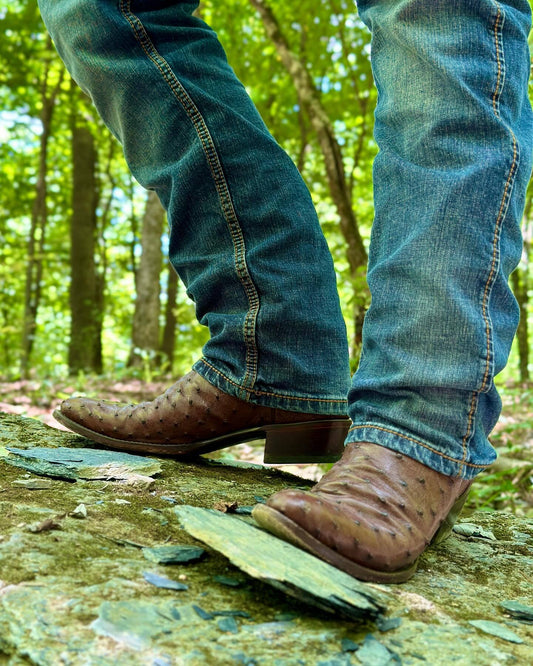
(321, 123)
(85, 352)
(145, 329)
(168, 341)
(520, 283)
(39, 218)
(339, 187)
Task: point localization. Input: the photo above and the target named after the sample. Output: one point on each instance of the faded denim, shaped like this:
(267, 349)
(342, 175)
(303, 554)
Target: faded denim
(454, 127)
(244, 235)
(455, 130)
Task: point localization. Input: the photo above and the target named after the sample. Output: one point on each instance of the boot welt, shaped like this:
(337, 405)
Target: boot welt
(304, 442)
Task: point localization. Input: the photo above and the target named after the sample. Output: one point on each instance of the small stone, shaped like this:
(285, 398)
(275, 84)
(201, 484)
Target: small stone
(34, 484)
(347, 645)
(163, 582)
(387, 624)
(173, 554)
(226, 507)
(285, 617)
(231, 613)
(121, 501)
(45, 526)
(244, 510)
(374, 653)
(229, 625)
(172, 500)
(496, 629)
(473, 531)
(227, 580)
(205, 615)
(518, 611)
(79, 512)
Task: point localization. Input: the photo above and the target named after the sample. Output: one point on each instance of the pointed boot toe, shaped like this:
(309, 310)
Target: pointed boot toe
(371, 515)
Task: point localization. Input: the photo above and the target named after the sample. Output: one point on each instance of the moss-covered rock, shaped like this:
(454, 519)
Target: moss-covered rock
(73, 588)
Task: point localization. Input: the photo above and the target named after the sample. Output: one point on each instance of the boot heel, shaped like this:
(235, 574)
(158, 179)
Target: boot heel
(445, 529)
(318, 441)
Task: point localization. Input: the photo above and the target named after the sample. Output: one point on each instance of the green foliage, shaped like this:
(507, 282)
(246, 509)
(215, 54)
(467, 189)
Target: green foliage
(327, 37)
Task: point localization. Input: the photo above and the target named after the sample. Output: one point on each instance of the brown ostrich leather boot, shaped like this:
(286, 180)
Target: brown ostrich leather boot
(371, 515)
(194, 417)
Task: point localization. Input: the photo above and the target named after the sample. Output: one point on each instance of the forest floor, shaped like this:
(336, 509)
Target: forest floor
(86, 543)
(111, 559)
(507, 485)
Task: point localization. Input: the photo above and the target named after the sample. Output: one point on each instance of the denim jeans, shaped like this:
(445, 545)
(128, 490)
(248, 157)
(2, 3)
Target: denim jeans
(244, 235)
(455, 131)
(454, 128)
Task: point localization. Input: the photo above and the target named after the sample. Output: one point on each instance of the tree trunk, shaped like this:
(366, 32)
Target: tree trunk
(520, 283)
(85, 353)
(39, 217)
(145, 330)
(168, 341)
(329, 146)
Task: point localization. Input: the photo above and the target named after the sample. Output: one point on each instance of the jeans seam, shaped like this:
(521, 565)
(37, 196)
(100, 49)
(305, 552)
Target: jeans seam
(253, 391)
(221, 185)
(504, 204)
(462, 463)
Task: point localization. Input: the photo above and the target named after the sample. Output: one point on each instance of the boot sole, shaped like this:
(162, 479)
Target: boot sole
(285, 443)
(286, 529)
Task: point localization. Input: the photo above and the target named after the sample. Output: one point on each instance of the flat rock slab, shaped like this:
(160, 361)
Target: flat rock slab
(282, 565)
(67, 463)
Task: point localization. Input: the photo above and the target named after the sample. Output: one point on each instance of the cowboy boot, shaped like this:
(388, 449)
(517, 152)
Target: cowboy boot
(371, 515)
(194, 417)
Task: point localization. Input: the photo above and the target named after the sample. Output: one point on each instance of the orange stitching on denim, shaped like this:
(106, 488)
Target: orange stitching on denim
(498, 23)
(274, 395)
(215, 166)
(471, 412)
(417, 442)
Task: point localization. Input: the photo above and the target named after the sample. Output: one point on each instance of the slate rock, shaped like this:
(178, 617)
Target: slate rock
(34, 484)
(203, 614)
(163, 582)
(473, 531)
(131, 623)
(347, 645)
(228, 581)
(67, 463)
(282, 565)
(228, 624)
(340, 660)
(518, 611)
(496, 629)
(388, 623)
(231, 613)
(374, 653)
(173, 554)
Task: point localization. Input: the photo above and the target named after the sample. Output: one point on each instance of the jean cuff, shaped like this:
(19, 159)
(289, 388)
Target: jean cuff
(295, 403)
(423, 452)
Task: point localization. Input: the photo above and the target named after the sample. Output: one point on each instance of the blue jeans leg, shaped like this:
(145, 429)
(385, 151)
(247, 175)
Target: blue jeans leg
(455, 130)
(244, 235)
